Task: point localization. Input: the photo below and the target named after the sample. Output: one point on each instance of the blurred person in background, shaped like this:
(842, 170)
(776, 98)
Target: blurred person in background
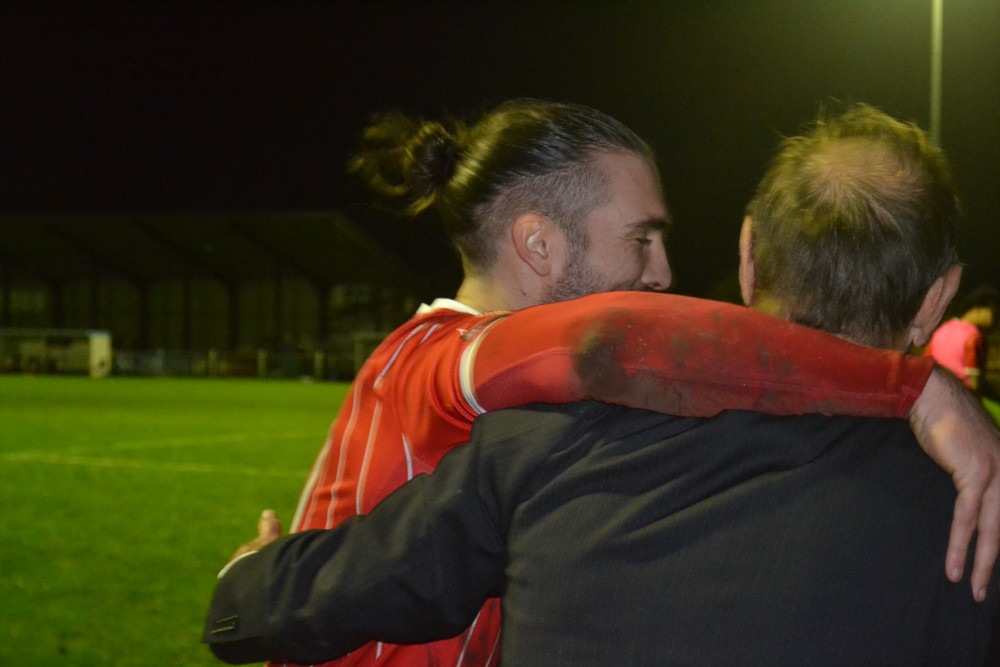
(959, 344)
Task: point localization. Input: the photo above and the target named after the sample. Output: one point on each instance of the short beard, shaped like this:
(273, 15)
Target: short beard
(579, 281)
(580, 278)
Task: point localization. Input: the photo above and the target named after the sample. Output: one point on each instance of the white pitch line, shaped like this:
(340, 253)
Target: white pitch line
(196, 440)
(88, 456)
(163, 443)
(38, 457)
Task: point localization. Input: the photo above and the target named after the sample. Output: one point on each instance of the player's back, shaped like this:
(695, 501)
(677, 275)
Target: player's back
(404, 411)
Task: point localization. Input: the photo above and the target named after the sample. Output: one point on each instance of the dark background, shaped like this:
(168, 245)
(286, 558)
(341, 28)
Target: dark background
(206, 109)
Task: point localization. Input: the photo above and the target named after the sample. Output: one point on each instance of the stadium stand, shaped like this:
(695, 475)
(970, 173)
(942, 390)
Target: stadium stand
(273, 295)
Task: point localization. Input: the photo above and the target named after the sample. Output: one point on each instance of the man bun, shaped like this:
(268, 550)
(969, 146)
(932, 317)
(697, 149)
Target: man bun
(406, 161)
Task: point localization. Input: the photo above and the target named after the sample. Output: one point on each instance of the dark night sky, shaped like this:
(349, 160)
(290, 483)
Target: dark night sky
(143, 107)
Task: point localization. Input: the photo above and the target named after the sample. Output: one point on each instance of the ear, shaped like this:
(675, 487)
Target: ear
(532, 235)
(748, 275)
(935, 302)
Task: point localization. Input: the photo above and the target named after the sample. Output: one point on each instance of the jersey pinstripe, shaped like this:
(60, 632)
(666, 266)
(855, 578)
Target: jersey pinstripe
(395, 423)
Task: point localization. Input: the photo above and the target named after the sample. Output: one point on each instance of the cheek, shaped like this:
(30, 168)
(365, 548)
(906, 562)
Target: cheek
(636, 260)
(626, 267)
(619, 260)
(619, 263)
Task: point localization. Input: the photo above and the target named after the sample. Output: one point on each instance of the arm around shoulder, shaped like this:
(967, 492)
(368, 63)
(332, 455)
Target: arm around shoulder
(687, 357)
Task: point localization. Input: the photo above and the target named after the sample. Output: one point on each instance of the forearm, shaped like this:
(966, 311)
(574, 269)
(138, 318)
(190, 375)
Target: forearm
(316, 595)
(253, 619)
(688, 357)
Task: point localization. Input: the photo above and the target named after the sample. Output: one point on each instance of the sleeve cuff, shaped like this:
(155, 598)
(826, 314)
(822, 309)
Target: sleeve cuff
(230, 564)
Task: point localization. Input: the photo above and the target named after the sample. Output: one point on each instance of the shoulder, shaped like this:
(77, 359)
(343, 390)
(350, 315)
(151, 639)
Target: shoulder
(515, 422)
(432, 324)
(535, 433)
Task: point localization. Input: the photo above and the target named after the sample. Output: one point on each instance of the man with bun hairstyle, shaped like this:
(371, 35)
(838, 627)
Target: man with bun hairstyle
(560, 204)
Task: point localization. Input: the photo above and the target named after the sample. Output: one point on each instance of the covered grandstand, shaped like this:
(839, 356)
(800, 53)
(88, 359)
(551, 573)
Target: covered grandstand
(303, 293)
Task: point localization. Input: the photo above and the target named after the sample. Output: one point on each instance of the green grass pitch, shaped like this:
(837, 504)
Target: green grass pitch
(123, 497)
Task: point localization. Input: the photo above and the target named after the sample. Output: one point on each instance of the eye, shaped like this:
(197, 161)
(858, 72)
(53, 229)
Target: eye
(650, 236)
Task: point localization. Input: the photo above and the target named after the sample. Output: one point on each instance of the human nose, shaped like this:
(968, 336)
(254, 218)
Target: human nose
(657, 275)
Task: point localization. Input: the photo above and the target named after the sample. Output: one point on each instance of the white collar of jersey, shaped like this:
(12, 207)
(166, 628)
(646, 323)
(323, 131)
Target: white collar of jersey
(446, 304)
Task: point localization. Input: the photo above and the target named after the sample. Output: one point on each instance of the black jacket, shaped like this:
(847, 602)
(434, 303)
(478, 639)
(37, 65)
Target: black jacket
(630, 538)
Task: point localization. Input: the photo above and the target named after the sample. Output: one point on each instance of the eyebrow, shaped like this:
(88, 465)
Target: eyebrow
(652, 224)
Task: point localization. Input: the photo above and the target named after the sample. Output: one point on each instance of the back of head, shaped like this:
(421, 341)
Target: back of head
(852, 224)
(526, 155)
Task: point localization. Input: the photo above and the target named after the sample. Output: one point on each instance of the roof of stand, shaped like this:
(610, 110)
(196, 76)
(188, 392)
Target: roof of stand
(322, 248)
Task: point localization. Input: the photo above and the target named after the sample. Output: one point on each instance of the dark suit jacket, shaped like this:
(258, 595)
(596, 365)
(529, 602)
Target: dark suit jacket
(629, 538)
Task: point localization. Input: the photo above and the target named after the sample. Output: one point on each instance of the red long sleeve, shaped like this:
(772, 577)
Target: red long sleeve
(688, 357)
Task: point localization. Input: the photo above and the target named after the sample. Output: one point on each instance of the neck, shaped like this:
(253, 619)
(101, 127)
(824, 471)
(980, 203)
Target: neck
(482, 294)
(510, 284)
(771, 306)
(774, 307)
